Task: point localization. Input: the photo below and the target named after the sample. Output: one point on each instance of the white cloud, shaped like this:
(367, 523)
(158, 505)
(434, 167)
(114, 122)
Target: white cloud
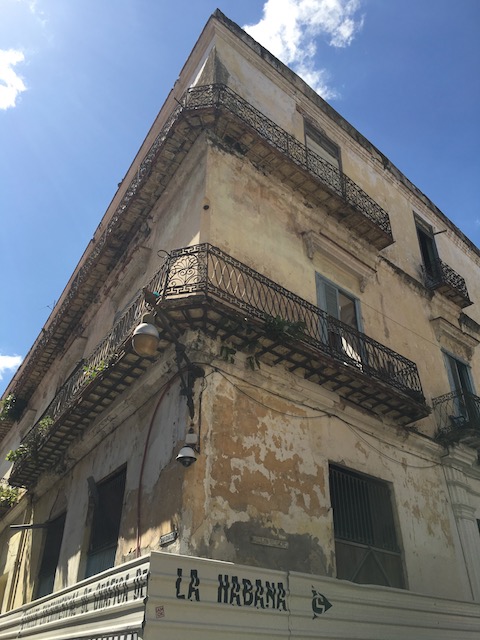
(11, 84)
(9, 364)
(289, 29)
(35, 10)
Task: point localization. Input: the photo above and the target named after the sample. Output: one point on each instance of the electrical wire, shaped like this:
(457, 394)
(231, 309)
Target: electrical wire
(164, 390)
(259, 402)
(321, 414)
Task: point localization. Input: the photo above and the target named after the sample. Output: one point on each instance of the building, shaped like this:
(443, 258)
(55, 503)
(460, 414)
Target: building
(255, 401)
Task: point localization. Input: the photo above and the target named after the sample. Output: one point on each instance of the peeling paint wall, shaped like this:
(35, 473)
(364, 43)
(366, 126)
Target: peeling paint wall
(266, 483)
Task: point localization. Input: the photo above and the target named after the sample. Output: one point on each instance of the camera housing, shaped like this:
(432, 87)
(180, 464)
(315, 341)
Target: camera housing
(186, 456)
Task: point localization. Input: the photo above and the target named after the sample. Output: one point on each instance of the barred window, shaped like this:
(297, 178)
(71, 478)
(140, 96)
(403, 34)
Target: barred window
(366, 545)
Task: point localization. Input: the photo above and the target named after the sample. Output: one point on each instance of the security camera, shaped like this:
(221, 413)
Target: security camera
(186, 456)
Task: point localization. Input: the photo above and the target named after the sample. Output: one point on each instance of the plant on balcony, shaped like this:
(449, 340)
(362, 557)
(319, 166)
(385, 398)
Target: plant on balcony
(253, 362)
(11, 408)
(17, 454)
(92, 371)
(30, 447)
(44, 425)
(279, 327)
(8, 496)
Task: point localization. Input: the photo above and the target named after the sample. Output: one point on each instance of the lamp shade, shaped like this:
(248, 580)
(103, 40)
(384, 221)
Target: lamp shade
(186, 456)
(145, 339)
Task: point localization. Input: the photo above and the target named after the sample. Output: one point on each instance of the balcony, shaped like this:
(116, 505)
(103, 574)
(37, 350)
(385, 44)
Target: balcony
(457, 416)
(242, 129)
(268, 146)
(443, 279)
(202, 288)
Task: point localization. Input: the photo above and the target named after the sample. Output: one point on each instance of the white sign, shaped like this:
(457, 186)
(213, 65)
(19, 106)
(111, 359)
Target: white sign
(108, 592)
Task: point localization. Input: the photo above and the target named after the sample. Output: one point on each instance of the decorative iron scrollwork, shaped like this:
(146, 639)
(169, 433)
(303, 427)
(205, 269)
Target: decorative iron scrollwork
(218, 98)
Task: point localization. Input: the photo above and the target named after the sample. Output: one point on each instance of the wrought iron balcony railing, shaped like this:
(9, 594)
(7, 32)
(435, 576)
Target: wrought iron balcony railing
(241, 127)
(440, 277)
(201, 287)
(457, 416)
(222, 97)
(206, 269)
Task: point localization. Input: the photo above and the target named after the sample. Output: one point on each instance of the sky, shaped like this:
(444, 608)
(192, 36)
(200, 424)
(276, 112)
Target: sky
(81, 82)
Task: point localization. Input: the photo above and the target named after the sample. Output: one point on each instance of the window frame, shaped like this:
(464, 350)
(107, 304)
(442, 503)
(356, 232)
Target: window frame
(340, 341)
(428, 248)
(451, 358)
(321, 282)
(380, 559)
(465, 408)
(101, 556)
(320, 139)
(45, 582)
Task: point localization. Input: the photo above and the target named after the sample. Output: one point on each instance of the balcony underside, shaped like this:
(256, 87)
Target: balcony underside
(219, 320)
(202, 288)
(458, 418)
(454, 294)
(74, 420)
(467, 434)
(241, 138)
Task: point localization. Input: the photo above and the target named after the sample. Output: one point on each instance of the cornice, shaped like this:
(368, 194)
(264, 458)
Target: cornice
(446, 330)
(361, 265)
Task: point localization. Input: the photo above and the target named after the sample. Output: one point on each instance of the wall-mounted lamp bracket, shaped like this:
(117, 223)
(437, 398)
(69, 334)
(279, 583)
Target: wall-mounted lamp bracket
(188, 371)
(27, 527)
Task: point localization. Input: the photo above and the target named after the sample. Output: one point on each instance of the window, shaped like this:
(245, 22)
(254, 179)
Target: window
(366, 546)
(337, 303)
(107, 513)
(458, 375)
(321, 145)
(428, 250)
(343, 307)
(51, 553)
(466, 406)
(323, 159)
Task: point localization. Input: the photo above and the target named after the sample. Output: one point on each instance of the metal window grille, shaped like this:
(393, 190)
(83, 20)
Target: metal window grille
(366, 544)
(362, 509)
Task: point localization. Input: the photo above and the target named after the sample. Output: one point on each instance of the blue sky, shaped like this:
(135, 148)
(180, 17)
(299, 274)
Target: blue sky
(82, 80)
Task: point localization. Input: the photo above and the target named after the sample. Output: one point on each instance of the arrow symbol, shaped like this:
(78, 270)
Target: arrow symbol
(320, 604)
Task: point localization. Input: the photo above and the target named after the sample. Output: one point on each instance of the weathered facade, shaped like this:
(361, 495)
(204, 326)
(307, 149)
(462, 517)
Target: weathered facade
(317, 321)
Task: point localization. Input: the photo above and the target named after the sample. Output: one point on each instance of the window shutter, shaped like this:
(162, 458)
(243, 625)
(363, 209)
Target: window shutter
(331, 299)
(106, 524)
(51, 554)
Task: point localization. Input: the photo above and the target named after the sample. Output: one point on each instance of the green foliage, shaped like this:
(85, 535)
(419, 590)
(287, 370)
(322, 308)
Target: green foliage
(11, 408)
(30, 447)
(278, 327)
(17, 454)
(44, 425)
(8, 495)
(92, 371)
